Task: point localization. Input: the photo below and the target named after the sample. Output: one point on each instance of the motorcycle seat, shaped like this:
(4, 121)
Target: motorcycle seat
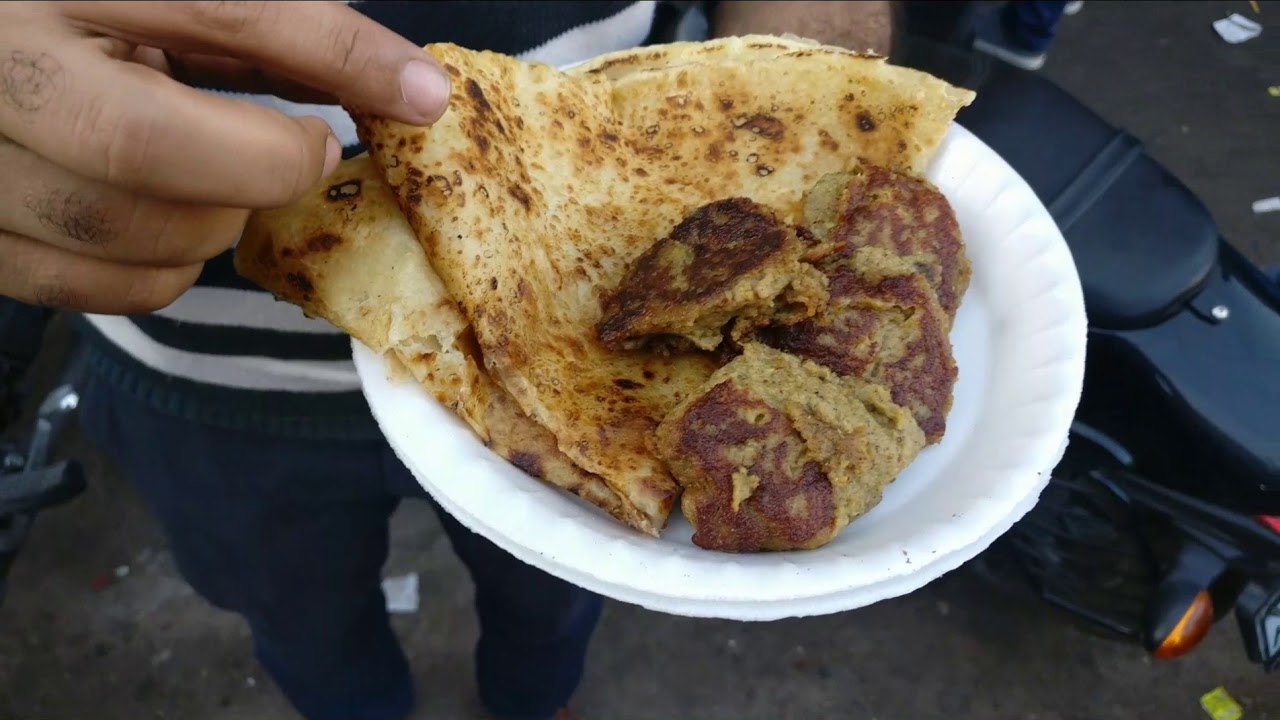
(1184, 396)
(1141, 241)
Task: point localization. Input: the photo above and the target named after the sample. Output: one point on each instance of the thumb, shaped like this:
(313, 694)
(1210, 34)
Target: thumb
(315, 157)
(324, 45)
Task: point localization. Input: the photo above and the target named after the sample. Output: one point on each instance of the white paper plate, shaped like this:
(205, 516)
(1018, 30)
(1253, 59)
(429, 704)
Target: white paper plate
(1019, 342)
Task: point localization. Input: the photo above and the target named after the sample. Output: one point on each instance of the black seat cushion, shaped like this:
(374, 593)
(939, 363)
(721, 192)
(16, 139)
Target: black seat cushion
(1142, 243)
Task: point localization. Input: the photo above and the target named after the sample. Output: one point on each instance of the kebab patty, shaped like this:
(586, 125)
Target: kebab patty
(882, 323)
(777, 453)
(728, 261)
(872, 206)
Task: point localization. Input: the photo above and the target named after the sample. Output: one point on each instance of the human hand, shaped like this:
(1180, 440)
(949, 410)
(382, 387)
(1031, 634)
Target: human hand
(119, 181)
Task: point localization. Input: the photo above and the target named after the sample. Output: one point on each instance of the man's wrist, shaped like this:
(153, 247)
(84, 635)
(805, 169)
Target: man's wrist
(860, 26)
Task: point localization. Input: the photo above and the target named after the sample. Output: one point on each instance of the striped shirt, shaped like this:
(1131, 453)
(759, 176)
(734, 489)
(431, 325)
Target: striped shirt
(226, 351)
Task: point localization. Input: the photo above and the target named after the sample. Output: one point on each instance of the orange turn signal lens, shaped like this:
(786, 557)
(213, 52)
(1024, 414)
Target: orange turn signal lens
(1190, 630)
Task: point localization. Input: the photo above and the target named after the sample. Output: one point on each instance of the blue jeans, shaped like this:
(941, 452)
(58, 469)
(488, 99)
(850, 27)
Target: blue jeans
(292, 535)
(1031, 25)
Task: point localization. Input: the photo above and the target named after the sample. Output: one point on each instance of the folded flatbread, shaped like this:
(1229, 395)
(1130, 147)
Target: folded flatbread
(538, 188)
(346, 253)
(621, 63)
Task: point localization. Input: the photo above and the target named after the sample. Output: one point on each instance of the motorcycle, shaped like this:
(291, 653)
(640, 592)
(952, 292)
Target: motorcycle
(31, 481)
(1161, 519)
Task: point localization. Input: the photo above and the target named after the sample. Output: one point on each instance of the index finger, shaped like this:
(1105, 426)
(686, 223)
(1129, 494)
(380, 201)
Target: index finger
(324, 45)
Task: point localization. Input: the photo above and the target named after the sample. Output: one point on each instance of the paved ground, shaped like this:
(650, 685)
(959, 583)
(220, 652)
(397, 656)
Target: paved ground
(144, 647)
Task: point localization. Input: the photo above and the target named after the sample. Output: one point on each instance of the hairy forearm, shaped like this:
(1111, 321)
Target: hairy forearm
(854, 25)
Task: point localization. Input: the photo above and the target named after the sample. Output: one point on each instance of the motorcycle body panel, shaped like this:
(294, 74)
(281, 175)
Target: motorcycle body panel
(1183, 367)
(1195, 398)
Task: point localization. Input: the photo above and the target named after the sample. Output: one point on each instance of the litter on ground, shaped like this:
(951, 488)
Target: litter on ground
(402, 593)
(1266, 205)
(1236, 28)
(1219, 704)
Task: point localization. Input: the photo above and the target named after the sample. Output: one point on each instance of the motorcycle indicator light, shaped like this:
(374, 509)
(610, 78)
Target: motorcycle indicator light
(1190, 629)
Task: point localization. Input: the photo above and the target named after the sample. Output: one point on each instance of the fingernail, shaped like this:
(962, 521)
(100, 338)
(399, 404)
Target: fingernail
(425, 87)
(332, 154)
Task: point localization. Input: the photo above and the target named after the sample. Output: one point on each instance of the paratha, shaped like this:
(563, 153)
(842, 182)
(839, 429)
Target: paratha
(537, 189)
(345, 252)
(619, 64)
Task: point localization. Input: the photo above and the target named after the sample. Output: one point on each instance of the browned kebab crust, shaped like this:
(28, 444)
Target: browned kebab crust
(883, 323)
(777, 453)
(799, 435)
(872, 206)
(729, 260)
